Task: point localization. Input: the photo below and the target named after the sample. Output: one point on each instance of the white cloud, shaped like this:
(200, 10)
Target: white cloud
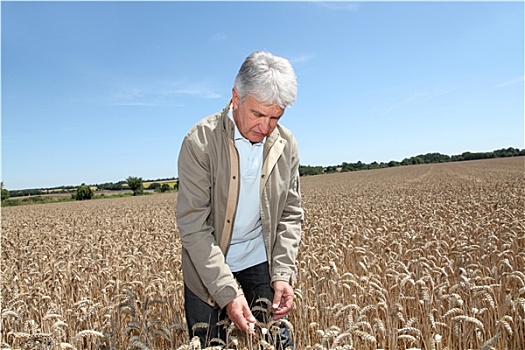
(167, 94)
(511, 82)
(304, 58)
(338, 5)
(419, 97)
(197, 91)
(219, 36)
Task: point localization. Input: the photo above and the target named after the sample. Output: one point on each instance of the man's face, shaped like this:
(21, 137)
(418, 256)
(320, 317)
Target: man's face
(254, 119)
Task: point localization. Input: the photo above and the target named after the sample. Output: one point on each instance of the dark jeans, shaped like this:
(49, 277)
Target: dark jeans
(255, 283)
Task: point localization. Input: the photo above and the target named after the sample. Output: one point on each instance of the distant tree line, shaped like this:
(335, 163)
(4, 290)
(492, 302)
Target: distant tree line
(41, 191)
(110, 186)
(428, 158)
(136, 183)
(131, 183)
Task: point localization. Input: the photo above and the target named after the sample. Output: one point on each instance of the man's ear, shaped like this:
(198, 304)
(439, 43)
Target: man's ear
(235, 99)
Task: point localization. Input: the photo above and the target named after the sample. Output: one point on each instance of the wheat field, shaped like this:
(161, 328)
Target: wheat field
(416, 257)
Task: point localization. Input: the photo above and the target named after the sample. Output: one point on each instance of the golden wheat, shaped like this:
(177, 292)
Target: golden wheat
(417, 257)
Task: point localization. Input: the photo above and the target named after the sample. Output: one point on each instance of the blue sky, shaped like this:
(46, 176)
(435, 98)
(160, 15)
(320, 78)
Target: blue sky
(94, 92)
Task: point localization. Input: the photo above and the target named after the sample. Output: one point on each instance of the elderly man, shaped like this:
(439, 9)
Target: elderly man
(239, 208)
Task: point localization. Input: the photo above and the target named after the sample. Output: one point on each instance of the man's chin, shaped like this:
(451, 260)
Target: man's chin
(256, 139)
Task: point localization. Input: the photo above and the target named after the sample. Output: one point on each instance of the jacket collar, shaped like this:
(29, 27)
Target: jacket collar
(228, 127)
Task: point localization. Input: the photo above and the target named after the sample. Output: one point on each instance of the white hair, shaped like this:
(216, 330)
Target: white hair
(267, 78)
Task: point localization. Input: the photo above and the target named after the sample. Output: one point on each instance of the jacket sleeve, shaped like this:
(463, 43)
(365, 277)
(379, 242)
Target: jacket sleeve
(289, 231)
(194, 224)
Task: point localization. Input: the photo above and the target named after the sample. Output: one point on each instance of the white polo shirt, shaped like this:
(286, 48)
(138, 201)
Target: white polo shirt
(247, 244)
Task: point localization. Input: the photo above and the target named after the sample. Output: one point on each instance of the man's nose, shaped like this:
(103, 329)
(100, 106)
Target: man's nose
(264, 126)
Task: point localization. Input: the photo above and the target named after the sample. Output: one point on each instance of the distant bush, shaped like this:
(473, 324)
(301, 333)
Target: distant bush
(33, 200)
(83, 192)
(5, 193)
(136, 185)
(154, 186)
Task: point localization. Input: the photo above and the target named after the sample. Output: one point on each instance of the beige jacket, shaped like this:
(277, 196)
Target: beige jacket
(208, 169)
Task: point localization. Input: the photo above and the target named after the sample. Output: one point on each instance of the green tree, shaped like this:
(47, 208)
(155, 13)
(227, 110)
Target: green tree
(164, 187)
(83, 192)
(373, 165)
(135, 184)
(331, 169)
(5, 192)
(111, 186)
(310, 170)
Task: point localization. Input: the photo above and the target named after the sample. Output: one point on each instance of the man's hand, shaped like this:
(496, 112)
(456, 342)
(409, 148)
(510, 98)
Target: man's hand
(239, 313)
(282, 300)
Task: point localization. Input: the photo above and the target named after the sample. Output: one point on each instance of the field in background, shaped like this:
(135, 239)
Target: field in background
(426, 257)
